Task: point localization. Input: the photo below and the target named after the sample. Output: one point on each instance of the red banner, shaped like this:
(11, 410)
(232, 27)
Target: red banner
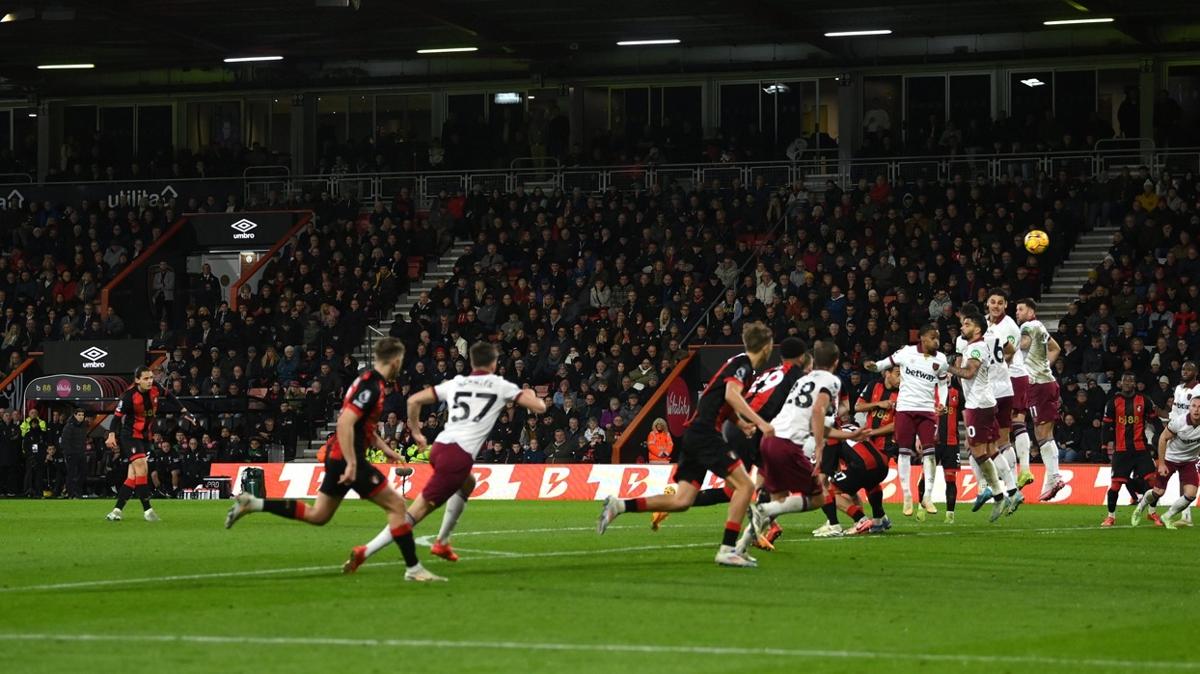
(1086, 484)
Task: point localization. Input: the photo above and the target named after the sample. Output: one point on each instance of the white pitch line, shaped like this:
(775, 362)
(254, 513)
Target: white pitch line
(656, 649)
(500, 554)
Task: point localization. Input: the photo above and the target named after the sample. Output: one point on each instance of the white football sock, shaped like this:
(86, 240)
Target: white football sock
(1005, 468)
(255, 504)
(795, 503)
(929, 471)
(1021, 444)
(904, 468)
(988, 468)
(1179, 506)
(454, 510)
(1050, 458)
(381, 541)
(1187, 514)
(977, 471)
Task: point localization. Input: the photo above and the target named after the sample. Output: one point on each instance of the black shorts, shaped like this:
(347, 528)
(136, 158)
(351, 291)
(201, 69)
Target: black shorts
(745, 447)
(1132, 464)
(132, 448)
(702, 452)
(855, 476)
(947, 457)
(368, 481)
(853, 471)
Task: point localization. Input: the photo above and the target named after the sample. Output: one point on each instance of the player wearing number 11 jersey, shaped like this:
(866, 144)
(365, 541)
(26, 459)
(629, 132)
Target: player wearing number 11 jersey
(474, 402)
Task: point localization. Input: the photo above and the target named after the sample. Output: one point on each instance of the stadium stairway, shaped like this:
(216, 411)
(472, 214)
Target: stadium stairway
(435, 270)
(1087, 254)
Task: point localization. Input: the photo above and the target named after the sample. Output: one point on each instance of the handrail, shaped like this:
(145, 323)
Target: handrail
(263, 259)
(30, 359)
(285, 171)
(659, 392)
(721, 295)
(137, 262)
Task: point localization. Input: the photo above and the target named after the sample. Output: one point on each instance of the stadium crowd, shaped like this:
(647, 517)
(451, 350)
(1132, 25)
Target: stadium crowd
(594, 298)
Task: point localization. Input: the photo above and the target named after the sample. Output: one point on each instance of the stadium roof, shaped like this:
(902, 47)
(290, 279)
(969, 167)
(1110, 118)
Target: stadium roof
(566, 38)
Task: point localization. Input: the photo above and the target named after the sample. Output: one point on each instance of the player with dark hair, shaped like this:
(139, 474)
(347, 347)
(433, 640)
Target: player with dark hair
(766, 395)
(946, 452)
(704, 449)
(1040, 350)
(1124, 435)
(474, 401)
(1187, 389)
(1178, 452)
(980, 409)
(132, 430)
(922, 375)
(346, 465)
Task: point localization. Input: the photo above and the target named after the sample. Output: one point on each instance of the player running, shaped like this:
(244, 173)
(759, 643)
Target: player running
(346, 465)
(1178, 451)
(475, 402)
(1003, 337)
(789, 474)
(704, 449)
(923, 376)
(980, 410)
(766, 395)
(1124, 434)
(1042, 400)
(132, 430)
(1187, 389)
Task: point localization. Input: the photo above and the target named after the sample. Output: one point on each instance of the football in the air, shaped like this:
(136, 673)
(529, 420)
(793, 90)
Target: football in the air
(1036, 241)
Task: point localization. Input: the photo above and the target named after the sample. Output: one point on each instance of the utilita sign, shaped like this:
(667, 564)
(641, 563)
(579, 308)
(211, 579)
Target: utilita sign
(679, 406)
(120, 194)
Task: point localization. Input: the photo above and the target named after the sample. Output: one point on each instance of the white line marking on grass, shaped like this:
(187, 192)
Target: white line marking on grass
(656, 649)
(501, 554)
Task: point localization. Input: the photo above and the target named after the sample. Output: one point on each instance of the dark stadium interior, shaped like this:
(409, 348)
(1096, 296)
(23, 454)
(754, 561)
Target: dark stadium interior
(629, 204)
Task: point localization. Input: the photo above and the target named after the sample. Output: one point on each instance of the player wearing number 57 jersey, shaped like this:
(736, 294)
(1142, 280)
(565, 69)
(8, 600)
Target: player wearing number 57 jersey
(473, 403)
(346, 465)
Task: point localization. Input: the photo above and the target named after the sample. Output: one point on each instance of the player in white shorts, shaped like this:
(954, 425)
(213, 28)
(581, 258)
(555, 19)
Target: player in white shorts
(979, 410)
(1178, 452)
(473, 402)
(924, 376)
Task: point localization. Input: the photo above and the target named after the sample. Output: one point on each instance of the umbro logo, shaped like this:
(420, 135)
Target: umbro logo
(92, 356)
(244, 228)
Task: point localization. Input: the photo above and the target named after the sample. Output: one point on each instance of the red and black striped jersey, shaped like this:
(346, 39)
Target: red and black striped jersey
(135, 412)
(1125, 422)
(365, 399)
(948, 422)
(878, 418)
(771, 388)
(711, 408)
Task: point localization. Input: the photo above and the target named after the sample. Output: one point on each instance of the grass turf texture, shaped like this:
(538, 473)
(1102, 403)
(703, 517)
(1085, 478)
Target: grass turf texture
(537, 590)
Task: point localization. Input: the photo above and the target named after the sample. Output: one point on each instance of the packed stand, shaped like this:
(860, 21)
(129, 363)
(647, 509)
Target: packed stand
(594, 299)
(1137, 311)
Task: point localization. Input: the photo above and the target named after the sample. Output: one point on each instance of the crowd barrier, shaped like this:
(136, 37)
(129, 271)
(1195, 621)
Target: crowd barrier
(1086, 483)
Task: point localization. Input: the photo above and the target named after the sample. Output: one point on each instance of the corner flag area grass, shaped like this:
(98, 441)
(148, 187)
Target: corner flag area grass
(1046, 590)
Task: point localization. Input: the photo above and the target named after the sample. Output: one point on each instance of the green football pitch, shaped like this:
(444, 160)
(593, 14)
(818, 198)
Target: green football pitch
(536, 589)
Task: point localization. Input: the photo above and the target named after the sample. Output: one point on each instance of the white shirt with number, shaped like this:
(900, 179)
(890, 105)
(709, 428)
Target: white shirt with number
(475, 402)
(1185, 446)
(978, 390)
(1183, 398)
(794, 421)
(1037, 360)
(920, 377)
(1000, 373)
